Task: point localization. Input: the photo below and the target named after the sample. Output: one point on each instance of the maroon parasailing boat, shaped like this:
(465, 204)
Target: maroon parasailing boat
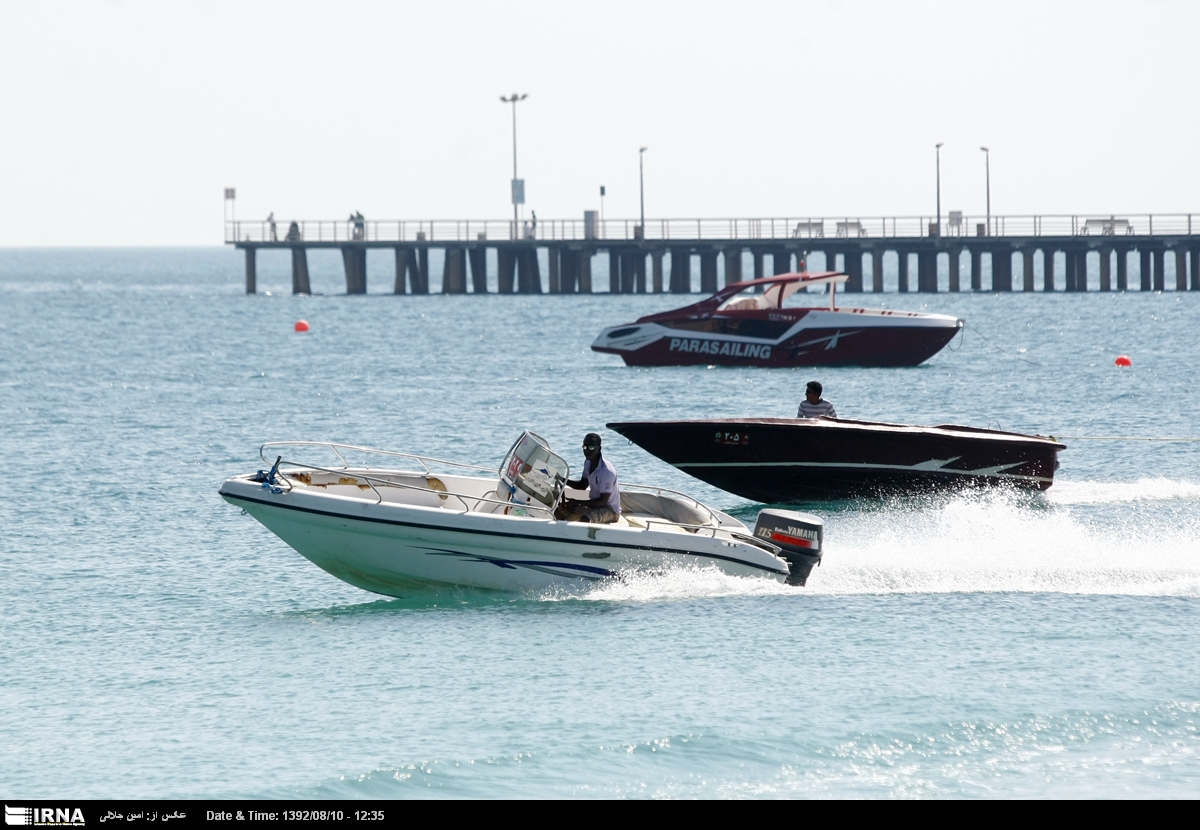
(785, 460)
(752, 324)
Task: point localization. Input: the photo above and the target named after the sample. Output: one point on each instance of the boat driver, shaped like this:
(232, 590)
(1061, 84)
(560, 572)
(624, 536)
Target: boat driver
(813, 405)
(600, 478)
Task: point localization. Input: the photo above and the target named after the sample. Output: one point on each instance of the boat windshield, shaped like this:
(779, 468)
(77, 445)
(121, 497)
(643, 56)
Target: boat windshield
(531, 470)
(778, 294)
(748, 300)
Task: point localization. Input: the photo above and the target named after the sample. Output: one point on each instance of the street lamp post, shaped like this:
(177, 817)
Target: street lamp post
(987, 167)
(939, 188)
(230, 213)
(642, 188)
(518, 186)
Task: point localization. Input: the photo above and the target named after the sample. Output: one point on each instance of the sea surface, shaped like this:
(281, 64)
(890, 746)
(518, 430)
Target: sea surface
(158, 642)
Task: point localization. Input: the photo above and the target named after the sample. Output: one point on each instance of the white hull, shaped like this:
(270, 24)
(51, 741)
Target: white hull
(389, 548)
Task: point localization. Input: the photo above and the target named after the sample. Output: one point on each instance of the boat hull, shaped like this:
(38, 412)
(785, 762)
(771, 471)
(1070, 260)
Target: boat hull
(779, 461)
(392, 549)
(835, 342)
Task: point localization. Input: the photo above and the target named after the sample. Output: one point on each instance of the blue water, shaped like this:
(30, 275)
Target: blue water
(157, 642)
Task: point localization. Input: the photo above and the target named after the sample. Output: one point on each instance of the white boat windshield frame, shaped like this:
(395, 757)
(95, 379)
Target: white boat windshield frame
(779, 289)
(533, 471)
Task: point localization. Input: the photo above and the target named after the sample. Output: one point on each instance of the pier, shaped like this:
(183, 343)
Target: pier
(679, 256)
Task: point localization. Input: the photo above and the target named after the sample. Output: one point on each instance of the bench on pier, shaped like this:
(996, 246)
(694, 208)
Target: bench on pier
(811, 228)
(1107, 227)
(851, 227)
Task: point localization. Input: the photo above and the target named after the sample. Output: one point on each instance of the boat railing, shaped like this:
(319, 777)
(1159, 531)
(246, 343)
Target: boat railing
(339, 449)
(468, 501)
(714, 530)
(654, 488)
(471, 502)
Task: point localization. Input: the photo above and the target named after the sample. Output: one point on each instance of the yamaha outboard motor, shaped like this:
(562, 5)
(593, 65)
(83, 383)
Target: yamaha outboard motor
(798, 534)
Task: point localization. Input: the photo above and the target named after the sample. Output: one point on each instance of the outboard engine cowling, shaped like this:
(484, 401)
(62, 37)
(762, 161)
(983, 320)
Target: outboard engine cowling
(799, 535)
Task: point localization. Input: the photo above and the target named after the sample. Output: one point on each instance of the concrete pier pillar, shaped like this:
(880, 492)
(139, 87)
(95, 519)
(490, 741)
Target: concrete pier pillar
(251, 272)
(569, 279)
(1180, 269)
(953, 268)
(401, 270)
(681, 271)
(1002, 278)
(1160, 276)
(585, 271)
(1105, 269)
(1195, 277)
(877, 271)
(708, 271)
(1027, 269)
(478, 257)
(1072, 268)
(831, 263)
(781, 262)
(628, 272)
(1144, 267)
(733, 265)
(300, 271)
(355, 262)
(553, 278)
(657, 258)
(506, 262)
(976, 269)
(529, 278)
(927, 271)
(758, 264)
(1048, 269)
(639, 272)
(854, 270)
(1122, 269)
(422, 273)
(454, 278)
(902, 279)
(535, 273)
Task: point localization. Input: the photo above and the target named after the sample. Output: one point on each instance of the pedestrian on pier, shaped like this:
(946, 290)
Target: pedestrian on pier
(271, 224)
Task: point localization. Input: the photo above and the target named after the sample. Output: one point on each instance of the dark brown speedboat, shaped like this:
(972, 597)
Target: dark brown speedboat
(783, 460)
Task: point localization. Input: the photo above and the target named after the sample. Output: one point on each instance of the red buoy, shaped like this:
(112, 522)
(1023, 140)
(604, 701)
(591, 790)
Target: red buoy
(1122, 360)
(302, 325)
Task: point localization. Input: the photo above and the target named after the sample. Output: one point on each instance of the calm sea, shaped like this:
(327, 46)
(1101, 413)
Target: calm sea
(157, 642)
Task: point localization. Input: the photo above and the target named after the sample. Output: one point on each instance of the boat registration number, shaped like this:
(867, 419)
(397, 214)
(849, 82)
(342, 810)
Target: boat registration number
(733, 439)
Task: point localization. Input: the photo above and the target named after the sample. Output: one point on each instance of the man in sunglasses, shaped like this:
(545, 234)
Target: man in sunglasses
(600, 478)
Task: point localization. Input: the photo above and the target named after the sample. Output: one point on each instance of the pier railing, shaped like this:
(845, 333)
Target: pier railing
(441, 231)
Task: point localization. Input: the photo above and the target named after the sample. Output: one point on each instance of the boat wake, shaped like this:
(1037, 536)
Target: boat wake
(995, 542)
(1106, 492)
(673, 584)
(991, 541)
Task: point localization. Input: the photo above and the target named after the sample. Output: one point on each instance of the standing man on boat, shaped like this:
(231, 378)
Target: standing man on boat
(813, 405)
(600, 478)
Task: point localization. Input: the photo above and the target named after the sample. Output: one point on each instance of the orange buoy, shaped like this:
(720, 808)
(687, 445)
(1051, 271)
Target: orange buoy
(1122, 360)
(302, 325)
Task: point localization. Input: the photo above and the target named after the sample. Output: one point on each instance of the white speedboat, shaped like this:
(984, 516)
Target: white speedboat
(418, 521)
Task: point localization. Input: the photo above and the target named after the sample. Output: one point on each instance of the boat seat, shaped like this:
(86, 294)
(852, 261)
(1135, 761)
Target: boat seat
(491, 506)
(662, 506)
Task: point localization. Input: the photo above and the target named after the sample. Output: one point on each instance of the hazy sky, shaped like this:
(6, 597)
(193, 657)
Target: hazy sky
(123, 121)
